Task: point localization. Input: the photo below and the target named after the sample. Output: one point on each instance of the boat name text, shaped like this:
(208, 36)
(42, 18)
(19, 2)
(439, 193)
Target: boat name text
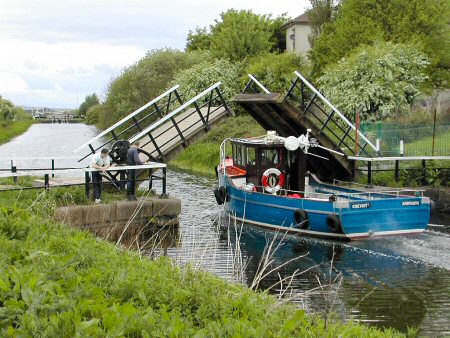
(361, 206)
(409, 203)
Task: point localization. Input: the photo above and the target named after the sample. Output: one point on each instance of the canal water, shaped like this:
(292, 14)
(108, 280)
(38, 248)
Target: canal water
(392, 282)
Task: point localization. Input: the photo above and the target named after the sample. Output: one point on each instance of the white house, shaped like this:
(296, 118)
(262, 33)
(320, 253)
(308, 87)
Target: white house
(297, 32)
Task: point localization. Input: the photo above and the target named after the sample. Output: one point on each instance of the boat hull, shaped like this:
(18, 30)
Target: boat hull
(354, 219)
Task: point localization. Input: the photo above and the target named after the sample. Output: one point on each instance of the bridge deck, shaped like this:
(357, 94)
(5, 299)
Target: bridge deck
(168, 141)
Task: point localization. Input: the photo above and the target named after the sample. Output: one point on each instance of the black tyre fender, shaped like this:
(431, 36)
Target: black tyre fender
(223, 194)
(301, 218)
(218, 196)
(334, 223)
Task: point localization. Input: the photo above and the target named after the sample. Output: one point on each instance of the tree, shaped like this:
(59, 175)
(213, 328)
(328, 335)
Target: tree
(322, 11)
(6, 109)
(366, 22)
(275, 71)
(198, 40)
(241, 34)
(279, 33)
(145, 80)
(89, 101)
(377, 81)
(95, 113)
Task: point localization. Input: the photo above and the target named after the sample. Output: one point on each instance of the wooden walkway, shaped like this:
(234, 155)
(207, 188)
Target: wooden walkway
(168, 141)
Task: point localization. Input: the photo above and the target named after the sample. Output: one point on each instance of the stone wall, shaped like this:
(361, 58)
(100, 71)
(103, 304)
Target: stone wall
(122, 219)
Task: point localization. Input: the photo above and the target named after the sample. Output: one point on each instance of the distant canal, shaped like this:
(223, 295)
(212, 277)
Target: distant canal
(393, 282)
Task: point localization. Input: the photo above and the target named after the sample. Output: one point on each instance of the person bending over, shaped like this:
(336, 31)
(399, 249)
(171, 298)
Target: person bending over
(101, 162)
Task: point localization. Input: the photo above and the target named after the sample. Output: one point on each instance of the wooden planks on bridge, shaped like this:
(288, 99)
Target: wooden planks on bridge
(168, 141)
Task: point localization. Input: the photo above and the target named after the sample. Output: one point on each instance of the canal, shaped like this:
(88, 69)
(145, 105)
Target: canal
(397, 282)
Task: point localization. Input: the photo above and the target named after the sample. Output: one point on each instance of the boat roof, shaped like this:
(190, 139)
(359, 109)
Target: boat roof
(260, 141)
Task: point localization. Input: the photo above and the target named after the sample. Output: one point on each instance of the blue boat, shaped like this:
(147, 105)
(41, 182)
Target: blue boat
(263, 181)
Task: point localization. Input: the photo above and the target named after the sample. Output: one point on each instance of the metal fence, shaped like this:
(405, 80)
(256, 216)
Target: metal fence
(397, 139)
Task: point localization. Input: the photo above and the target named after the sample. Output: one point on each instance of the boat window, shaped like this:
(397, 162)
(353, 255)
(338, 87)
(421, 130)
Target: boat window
(270, 157)
(240, 154)
(251, 156)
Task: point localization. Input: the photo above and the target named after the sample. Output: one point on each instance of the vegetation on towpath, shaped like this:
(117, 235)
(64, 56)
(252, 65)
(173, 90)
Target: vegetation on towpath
(13, 120)
(9, 130)
(57, 281)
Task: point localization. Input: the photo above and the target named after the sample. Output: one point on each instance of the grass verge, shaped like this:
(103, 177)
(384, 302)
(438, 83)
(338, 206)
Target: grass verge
(203, 156)
(57, 281)
(9, 130)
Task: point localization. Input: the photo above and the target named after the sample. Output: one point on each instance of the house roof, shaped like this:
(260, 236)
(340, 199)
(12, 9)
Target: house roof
(302, 19)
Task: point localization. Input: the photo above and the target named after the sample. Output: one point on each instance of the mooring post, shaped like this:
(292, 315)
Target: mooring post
(53, 167)
(369, 172)
(14, 170)
(397, 171)
(164, 182)
(46, 182)
(86, 183)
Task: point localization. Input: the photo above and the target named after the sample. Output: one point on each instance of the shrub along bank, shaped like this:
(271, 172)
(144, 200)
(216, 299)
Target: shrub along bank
(57, 281)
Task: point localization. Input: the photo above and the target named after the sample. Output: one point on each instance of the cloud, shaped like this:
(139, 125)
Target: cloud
(56, 52)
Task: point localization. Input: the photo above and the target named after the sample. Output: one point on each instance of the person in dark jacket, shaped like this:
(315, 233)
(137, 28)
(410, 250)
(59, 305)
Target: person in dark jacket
(132, 159)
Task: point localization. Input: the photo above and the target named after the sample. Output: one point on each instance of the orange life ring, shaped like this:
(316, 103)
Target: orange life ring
(272, 180)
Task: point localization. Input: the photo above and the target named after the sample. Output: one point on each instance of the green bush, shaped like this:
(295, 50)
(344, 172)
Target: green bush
(275, 71)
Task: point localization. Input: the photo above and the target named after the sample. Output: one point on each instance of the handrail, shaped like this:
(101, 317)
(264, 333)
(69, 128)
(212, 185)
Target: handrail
(137, 111)
(329, 104)
(259, 84)
(151, 165)
(176, 111)
(398, 158)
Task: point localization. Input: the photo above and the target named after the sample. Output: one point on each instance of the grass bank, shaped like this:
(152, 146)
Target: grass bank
(57, 281)
(202, 156)
(9, 130)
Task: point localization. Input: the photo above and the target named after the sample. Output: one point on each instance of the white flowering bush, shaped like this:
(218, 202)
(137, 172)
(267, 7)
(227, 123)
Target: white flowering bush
(379, 81)
(201, 76)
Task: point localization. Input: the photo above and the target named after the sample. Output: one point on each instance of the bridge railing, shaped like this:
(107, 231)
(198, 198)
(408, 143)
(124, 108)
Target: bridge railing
(254, 86)
(183, 121)
(329, 119)
(135, 122)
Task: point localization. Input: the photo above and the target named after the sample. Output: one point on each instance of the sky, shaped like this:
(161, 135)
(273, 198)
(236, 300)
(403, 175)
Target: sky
(54, 53)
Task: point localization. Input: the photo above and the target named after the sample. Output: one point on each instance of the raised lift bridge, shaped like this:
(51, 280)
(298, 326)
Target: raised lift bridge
(302, 108)
(165, 125)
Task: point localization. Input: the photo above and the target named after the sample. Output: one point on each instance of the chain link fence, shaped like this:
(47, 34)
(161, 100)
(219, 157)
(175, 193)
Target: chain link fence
(417, 139)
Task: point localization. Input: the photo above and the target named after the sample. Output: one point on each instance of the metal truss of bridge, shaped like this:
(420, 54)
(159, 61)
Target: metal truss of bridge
(302, 108)
(166, 124)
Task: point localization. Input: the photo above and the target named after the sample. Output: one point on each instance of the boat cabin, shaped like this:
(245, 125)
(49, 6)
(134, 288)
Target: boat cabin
(267, 165)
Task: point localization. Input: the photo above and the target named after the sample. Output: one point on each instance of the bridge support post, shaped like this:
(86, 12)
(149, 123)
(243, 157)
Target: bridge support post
(14, 170)
(397, 171)
(369, 172)
(424, 172)
(46, 182)
(87, 181)
(164, 183)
